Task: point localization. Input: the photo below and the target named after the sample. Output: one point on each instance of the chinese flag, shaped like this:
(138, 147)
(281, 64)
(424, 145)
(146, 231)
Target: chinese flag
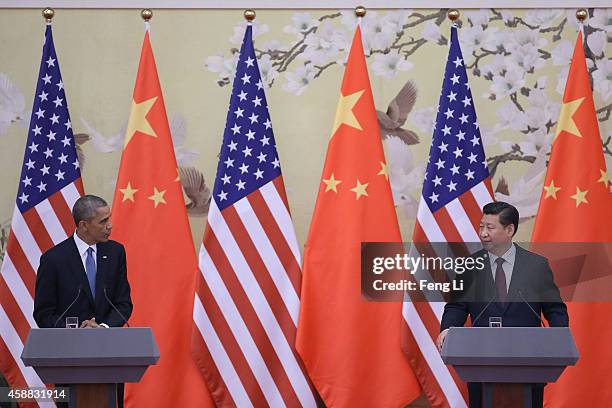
(351, 347)
(576, 206)
(150, 219)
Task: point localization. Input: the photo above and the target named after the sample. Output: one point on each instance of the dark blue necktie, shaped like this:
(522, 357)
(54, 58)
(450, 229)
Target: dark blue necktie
(90, 269)
(500, 281)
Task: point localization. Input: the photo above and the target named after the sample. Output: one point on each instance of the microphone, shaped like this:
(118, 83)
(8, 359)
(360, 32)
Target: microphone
(483, 310)
(68, 308)
(114, 307)
(531, 308)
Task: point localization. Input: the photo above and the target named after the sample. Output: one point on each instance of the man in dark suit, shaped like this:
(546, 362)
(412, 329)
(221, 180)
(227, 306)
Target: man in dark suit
(82, 275)
(512, 283)
(87, 269)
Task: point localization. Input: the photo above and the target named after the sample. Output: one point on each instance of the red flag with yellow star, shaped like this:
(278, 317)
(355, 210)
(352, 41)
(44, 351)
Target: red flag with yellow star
(150, 219)
(575, 206)
(350, 346)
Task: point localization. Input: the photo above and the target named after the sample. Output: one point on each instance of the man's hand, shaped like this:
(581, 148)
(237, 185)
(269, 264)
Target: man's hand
(89, 323)
(441, 338)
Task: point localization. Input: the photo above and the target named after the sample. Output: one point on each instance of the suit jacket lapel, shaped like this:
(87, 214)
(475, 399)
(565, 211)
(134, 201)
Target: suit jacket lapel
(517, 277)
(78, 270)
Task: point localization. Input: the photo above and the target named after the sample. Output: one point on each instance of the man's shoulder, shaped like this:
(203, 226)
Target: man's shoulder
(61, 248)
(529, 256)
(112, 245)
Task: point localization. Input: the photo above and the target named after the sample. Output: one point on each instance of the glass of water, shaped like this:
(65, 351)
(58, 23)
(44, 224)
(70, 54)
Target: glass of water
(72, 322)
(495, 322)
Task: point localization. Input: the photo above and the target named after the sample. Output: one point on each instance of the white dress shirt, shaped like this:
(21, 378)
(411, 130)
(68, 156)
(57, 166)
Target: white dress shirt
(82, 247)
(507, 265)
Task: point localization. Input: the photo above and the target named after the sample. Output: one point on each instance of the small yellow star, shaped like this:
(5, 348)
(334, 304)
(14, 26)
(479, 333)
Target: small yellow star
(604, 178)
(360, 190)
(566, 120)
(138, 120)
(158, 197)
(344, 111)
(580, 196)
(384, 170)
(551, 190)
(331, 183)
(128, 192)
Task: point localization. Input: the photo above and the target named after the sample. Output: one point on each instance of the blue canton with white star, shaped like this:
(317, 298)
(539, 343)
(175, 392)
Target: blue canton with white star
(50, 162)
(248, 158)
(456, 159)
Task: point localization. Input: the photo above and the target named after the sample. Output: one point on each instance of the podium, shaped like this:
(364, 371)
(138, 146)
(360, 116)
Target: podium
(92, 361)
(507, 360)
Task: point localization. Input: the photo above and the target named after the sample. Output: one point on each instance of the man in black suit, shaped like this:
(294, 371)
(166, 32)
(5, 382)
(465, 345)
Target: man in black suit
(514, 278)
(87, 269)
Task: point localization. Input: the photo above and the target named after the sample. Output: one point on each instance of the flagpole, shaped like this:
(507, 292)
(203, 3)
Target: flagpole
(249, 16)
(147, 15)
(581, 16)
(48, 14)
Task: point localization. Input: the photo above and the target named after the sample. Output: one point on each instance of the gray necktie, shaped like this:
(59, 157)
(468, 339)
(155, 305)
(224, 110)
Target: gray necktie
(500, 281)
(90, 269)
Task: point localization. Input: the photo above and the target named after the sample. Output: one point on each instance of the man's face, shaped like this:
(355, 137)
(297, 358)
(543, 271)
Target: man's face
(97, 228)
(493, 235)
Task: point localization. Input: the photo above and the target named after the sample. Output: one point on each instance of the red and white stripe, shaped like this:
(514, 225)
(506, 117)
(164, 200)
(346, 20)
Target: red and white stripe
(32, 233)
(456, 222)
(247, 303)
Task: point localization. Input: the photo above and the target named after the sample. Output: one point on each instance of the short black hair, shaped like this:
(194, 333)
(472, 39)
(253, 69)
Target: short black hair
(85, 207)
(508, 214)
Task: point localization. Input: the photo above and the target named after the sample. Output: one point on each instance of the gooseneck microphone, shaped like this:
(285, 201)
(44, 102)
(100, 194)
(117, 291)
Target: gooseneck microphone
(483, 310)
(531, 308)
(116, 310)
(68, 308)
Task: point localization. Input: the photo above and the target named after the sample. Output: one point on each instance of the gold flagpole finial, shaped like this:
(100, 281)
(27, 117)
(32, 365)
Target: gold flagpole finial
(48, 14)
(581, 15)
(453, 15)
(146, 15)
(249, 15)
(360, 11)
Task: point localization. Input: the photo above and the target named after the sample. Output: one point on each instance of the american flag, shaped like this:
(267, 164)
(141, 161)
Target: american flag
(50, 183)
(248, 293)
(456, 187)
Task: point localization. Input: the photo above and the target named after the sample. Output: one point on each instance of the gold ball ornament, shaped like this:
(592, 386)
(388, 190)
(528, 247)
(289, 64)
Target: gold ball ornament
(48, 14)
(249, 15)
(360, 11)
(582, 14)
(146, 14)
(453, 15)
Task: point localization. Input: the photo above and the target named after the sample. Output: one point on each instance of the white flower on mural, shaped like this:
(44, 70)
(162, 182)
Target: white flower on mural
(510, 82)
(324, 45)
(543, 18)
(602, 79)
(602, 19)
(178, 130)
(225, 67)
(479, 18)
(12, 105)
(267, 70)
(388, 65)
(423, 119)
(298, 80)
(562, 53)
(431, 32)
(406, 177)
(597, 42)
(105, 144)
(301, 23)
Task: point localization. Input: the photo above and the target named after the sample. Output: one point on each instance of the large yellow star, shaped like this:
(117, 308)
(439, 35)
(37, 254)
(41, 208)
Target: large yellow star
(158, 197)
(128, 192)
(384, 170)
(331, 183)
(344, 111)
(580, 196)
(604, 178)
(551, 190)
(360, 190)
(566, 120)
(138, 120)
